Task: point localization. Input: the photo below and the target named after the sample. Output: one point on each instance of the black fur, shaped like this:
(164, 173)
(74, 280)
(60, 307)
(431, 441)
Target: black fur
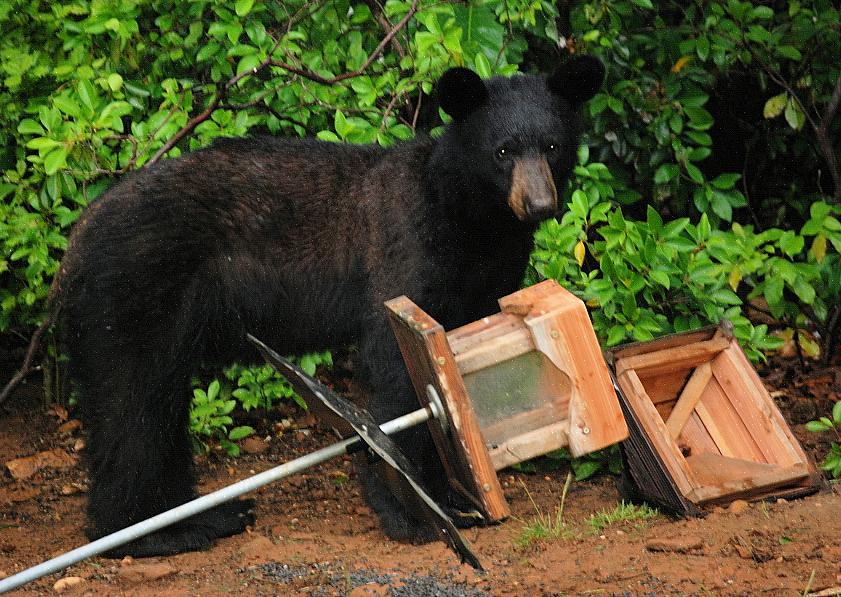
(298, 242)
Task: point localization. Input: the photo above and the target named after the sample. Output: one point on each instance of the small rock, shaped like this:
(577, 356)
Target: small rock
(140, 573)
(254, 445)
(66, 583)
(738, 506)
(782, 501)
(127, 561)
(79, 445)
(675, 544)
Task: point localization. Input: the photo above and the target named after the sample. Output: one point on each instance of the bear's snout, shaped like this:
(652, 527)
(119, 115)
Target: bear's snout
(533, 195)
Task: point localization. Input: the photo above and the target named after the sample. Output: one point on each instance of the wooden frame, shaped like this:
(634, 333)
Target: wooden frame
(704, 422)
(566, 398)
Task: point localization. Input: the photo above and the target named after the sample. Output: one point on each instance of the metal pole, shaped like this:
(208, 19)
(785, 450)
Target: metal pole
(206, 502)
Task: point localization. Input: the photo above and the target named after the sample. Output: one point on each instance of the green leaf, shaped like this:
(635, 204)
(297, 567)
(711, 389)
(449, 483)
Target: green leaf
(775, 106)
(789, 52)
(55, 160)
(726, 296)
(67, 105)
(725, 181)
(721, 207)
(580, 204)
(482, 66)
(817, 426)
(248, 63)
(115, 81)
(213, 390)
(240, 432)
(243, 7)
(661, 278)
(836, 413)
(794, 115)
(27, 126)
(694, 173)
(642, 4)
(666, 173)
(699, 118)
(791, 243)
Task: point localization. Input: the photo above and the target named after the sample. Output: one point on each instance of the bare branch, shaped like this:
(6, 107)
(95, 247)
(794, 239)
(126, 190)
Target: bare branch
(368, 61)
(222, 93)
(822, 133)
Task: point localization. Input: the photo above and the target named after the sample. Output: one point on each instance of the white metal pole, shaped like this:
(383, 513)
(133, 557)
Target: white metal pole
(206, 502)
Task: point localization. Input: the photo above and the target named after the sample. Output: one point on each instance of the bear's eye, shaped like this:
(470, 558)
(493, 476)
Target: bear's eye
(502, 153)
(551, 148)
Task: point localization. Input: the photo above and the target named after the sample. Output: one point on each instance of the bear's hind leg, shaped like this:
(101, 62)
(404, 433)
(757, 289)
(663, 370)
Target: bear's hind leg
(139, 454)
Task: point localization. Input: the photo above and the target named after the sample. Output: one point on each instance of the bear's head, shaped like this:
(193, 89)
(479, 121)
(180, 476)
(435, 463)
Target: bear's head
(513, 141)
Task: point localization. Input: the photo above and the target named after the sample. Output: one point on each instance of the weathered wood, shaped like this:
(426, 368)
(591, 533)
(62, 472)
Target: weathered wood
(665, 388)
(755, 407)
(688, 399)
(483, 330)
(695, 439)
(725, 426)
(561, 328)
(734, 478)
(523, 302)
(520, 448)
(671, 341)
(429, 360)
(550, 413)
(734, 441)
(495, 350)
(673, 359)
(656, 432)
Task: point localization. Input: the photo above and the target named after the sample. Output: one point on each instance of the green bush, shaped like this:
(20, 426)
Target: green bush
(688, 210)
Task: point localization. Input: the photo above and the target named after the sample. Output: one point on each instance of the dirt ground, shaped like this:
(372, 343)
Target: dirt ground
(315, 536)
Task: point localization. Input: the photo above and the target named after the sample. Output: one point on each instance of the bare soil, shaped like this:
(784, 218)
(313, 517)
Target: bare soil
(315, 536)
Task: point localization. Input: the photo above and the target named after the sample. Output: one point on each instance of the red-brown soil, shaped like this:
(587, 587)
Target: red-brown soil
(315, 536)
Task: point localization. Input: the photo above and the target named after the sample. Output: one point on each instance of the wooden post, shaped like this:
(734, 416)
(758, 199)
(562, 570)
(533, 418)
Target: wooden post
(430, 361)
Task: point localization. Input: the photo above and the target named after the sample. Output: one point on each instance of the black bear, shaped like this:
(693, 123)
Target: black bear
(298, 242)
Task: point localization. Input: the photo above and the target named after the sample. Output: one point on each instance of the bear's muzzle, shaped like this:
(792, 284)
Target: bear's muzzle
(533, 195)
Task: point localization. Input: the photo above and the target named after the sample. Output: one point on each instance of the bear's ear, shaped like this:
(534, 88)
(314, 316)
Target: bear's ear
(578, 79)
(460, 91)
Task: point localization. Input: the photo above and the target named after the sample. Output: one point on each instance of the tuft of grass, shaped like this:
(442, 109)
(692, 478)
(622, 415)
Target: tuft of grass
(545, 526)
(623, 512)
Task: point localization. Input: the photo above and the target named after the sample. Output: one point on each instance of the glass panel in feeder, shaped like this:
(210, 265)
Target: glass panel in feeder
(518, 395)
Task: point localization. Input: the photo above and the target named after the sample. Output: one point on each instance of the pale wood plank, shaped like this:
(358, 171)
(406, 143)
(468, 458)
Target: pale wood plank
(501, 348)
(749, 397)
(756, 483)
(522, 302)
(688, 399)
(673, 359)
(724, 425)
(695, 439)
(561, 328)
(665, 387)
(656, 432)
(530, 445)
(482, 330)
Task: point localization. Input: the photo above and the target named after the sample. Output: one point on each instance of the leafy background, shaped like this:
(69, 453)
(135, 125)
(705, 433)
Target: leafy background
(708, 185)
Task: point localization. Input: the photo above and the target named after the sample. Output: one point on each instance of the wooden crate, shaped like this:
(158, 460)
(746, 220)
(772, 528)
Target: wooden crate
(515, 385)
(704, 430)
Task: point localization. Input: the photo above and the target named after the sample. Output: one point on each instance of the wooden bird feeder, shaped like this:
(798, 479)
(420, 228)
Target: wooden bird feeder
(704, 430)
(515, 385)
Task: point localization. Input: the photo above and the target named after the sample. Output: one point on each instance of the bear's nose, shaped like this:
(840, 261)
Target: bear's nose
(533, 195)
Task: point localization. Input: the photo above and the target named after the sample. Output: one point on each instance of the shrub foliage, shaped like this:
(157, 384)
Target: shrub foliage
(708, 187)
